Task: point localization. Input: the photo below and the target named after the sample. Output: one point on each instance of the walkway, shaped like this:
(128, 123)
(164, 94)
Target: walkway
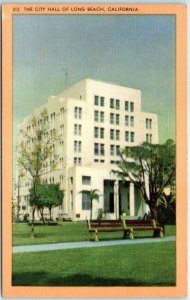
(87, 244)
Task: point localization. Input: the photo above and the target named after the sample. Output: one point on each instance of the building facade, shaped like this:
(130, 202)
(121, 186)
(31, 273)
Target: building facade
(94, 120)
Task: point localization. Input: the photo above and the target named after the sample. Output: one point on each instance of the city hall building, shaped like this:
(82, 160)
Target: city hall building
(94, 120)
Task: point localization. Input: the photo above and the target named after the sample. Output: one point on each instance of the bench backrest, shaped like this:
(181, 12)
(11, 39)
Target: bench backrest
(104, 223)
(120, 223)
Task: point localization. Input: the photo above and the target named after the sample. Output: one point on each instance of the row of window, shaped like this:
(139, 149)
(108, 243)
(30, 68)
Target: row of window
(114, 118)
(114, 103)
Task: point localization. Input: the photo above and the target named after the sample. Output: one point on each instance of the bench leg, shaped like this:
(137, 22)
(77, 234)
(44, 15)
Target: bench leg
(128, 233)
(161, 233)
(158, 233)
(94, 237)
(131, 237)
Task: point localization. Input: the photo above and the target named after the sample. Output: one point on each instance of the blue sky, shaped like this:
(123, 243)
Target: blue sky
(135, 51)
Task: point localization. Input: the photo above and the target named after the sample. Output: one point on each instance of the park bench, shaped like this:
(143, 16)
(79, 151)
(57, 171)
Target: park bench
(146, 225)
(97, 226)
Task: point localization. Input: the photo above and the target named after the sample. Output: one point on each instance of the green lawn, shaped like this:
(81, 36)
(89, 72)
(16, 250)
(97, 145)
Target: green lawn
(66, 232)
(130, 265)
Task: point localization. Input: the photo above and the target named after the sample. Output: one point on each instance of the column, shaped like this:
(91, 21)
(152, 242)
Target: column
(132, 199)
(116, 199)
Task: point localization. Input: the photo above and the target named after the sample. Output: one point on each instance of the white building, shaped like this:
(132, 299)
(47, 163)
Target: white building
(95, 119)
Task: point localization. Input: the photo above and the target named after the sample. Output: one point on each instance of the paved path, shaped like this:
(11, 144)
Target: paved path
(87, 244)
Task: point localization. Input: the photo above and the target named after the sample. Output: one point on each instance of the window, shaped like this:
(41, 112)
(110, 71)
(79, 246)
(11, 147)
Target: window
(117, 150)
(77, 161)
(112, 150)
(86, 180)
(117, 104)
(102, 133)
(132, 121)
(117, 135)
(96, 149)
(77, 146)
(111, 103)
(101, 101)
(96, 160)
(102, 160)
(132, 106)
(149, 138)
(126, 136)
(148, 123)
(126, 120)
(102, 150)
(96, 100)
(96, 132)
(101, 116)
(75, 129)
(111, 118)
(96, 116)
(79, 129)
(85, 202)
(117, 119)
(126, 105)
(132, 137)
(112, 134)
(78, 112)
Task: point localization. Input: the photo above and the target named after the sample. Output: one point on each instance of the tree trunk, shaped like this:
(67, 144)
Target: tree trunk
(91, 209)
(50, 212)
(153, 212)
(32, 230)
(42, 214)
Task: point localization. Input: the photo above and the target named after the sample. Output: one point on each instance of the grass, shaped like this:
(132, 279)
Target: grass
(66, 232)
(131, 265)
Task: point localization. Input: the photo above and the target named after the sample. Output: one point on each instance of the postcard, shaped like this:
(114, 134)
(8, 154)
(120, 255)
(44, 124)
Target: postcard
(94, 150)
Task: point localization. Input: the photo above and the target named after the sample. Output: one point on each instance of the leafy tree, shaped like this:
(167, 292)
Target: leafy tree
(35, 151)
(52, 196)
(151, 168)
(93, 195)
(46, 195)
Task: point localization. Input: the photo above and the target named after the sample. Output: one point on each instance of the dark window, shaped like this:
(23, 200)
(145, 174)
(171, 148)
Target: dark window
(86, 180)
(126, 105)
(85, 202)
(111, 208)
(101, 101)
(111, 103)
(132, 106)
(117, 103)
(96, 100)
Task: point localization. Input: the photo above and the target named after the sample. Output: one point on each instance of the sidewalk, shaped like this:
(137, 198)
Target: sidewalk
(87, 244)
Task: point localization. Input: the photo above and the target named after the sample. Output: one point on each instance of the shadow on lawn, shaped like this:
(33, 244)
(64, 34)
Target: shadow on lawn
(44, 279)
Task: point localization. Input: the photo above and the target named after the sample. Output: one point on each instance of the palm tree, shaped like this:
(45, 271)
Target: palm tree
(93, 195)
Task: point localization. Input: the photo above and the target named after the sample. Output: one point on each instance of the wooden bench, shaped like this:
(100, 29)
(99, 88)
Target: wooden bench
(96, 226)
(146, 225)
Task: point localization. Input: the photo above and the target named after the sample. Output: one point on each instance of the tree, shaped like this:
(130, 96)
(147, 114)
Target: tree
(36, 151)
(92, 195)
(46, 195)
(52, 196)
(151, 168)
